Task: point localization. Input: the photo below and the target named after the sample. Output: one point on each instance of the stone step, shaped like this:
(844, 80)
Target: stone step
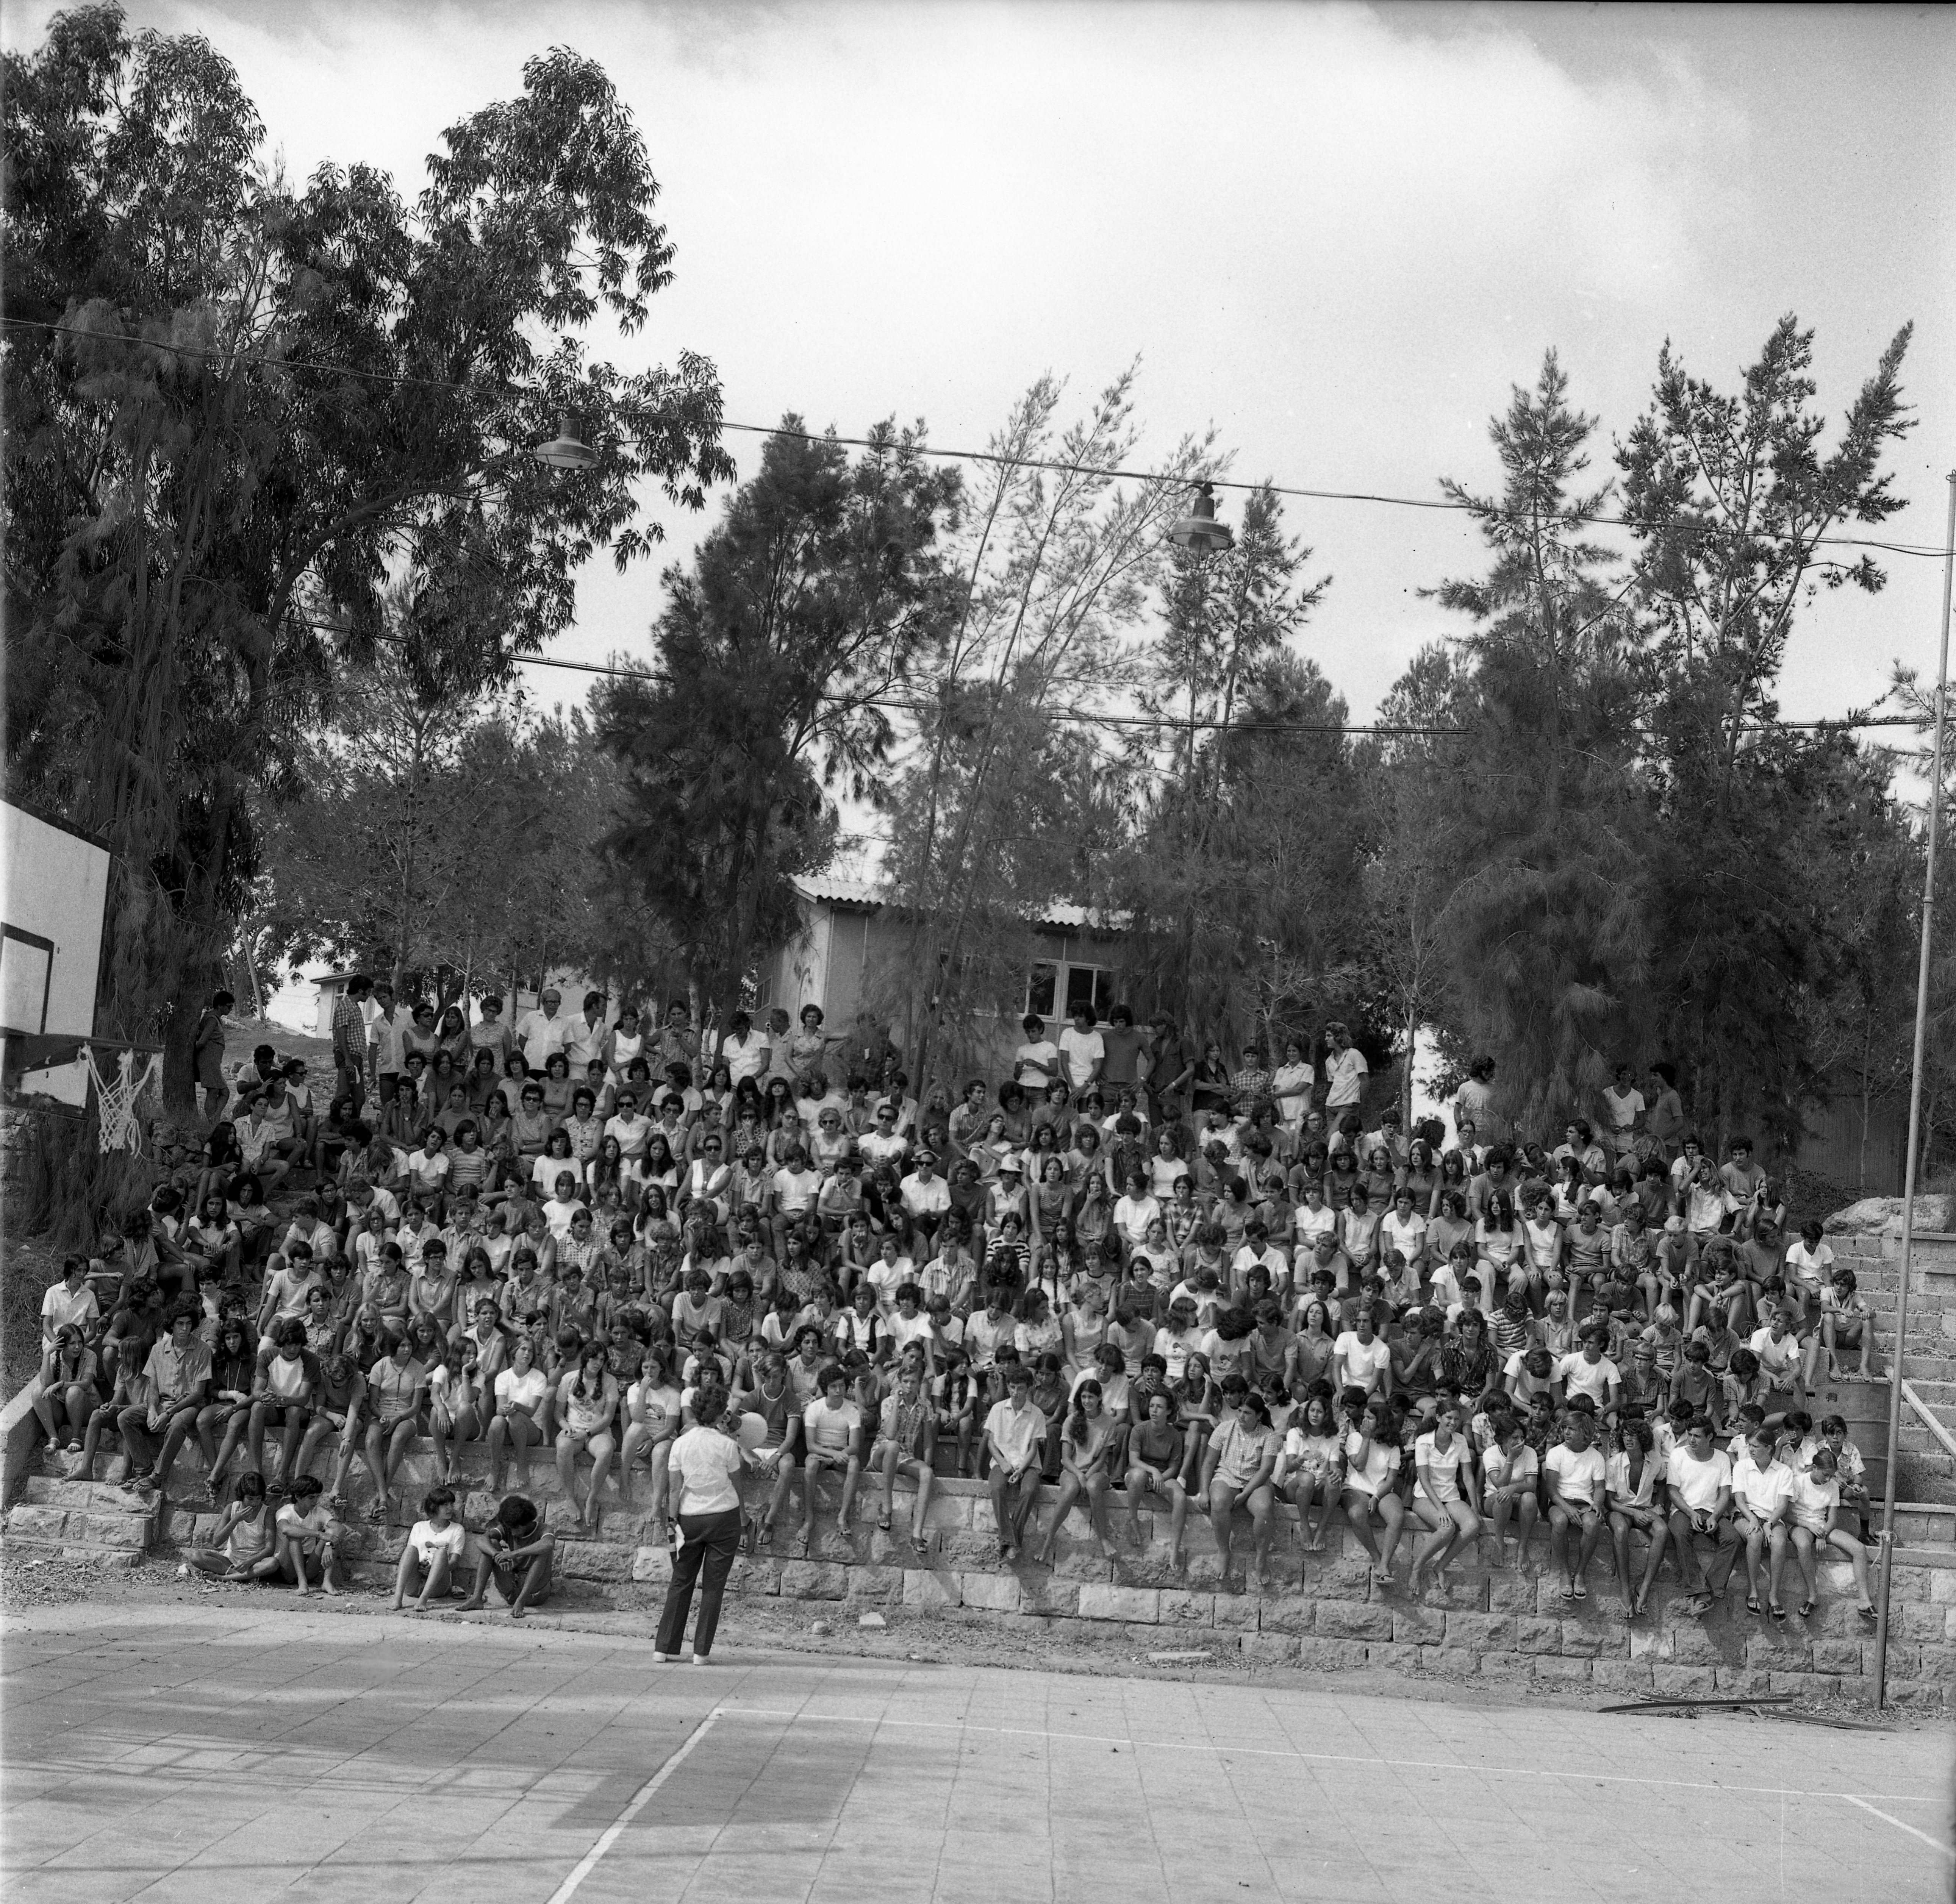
(67, 1527)
(110, 1559)
(95, 1497)
(1932, 1523)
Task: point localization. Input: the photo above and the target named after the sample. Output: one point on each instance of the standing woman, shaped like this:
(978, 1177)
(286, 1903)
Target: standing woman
(1210, 1090)
(1291, 1086)
(705, 1467)
(623, 1046)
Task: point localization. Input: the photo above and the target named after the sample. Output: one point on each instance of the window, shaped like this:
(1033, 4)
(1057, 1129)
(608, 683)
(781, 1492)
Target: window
(1090, 988)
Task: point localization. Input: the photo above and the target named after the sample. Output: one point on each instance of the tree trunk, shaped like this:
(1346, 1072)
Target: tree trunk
(251, 973)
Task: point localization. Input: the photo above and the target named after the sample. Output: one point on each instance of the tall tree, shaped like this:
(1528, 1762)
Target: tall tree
(234, 410)
(1547, 923)
(821, 591)
(1732, 499)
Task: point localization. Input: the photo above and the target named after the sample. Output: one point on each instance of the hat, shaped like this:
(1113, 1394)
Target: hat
(926, 1156)
(1011, 1166)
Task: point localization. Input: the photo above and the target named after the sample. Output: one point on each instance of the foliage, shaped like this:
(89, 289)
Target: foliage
(822, 589)
(1729, 498)
(249, 407)
(1546, 924)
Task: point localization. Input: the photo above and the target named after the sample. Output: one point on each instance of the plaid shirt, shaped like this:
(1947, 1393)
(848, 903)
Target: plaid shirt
(349, 1034)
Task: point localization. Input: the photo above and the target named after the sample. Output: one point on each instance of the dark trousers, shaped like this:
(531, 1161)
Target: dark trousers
(708, 1541)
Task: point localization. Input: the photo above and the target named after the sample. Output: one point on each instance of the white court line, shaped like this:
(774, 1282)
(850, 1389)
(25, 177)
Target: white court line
(639, 1799)
(1933, 1844)
(1322, 1758)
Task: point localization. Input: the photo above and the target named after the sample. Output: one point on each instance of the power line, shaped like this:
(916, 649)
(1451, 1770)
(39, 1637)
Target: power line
(1056, 465)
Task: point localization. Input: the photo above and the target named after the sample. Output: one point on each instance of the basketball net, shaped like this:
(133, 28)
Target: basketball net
(121, 1128)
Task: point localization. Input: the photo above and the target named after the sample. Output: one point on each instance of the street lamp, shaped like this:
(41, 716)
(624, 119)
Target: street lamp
(1199, 531)
(564, 451)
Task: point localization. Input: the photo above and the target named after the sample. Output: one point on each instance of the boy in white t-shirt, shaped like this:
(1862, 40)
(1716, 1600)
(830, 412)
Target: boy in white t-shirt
(436, 1544)
(1577, 1476)
(1762, 1491)
(1083, 1052)
(1036, 1063)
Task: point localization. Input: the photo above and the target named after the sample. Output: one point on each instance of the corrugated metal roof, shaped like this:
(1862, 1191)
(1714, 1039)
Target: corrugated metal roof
(863, 892)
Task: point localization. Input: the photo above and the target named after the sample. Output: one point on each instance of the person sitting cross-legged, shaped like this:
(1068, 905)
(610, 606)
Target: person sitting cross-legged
(515, 1556)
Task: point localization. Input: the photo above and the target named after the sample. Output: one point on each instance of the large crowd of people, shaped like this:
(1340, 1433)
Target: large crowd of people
(746, 1283)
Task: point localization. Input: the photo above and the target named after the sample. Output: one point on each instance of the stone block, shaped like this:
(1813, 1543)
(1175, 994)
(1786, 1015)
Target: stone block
(1650, 1643)
(1177, 1607)
(1589, 1640)
(1234, 1612)
(1742, 1682)
(1481, 1632)
(592, 1560)
(1536, 1634)
(1693, 1643)
(1273, 1649)
(1836, 1656)
(929, 1593)
(1419, 1625)
(1400, 1659)
(1509, 1593)
(651, 1566)
(875, 1586)
(1633, 1677)
(1683, 1681)
(1551, 1666)
(1101, 1601)
(1288, 1613)
(1504, 1666)
(814, 1580)
(1459, 1590)
(1341, 1578)
(1780, 1651)
(30, 1523)
(1449, 1661)
(1922, 1620)
(1349, 1620)
(1330, 1656)
(1917, 1695)
(1810, 1685)
(1942, 1587)
(1938, 1663)
(989, 1592)
(1056, 1599)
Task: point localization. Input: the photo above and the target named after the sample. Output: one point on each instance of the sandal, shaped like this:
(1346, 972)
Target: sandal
(1806, 1609)
(1868, 1616)
(1778, 1613)
(1579, 1591)
(764, 1537)
(1753, 1604)
(920, 1543)
(882, 1523)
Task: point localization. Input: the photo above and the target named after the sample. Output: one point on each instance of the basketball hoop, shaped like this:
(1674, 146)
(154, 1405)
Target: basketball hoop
(121, 1126)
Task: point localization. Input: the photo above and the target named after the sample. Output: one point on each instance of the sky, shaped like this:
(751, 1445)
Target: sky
(1338, 234)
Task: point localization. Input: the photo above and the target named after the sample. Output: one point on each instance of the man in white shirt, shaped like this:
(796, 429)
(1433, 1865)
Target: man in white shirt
(884, 1145)
(1589, 1371)
(832, 1436)
(541, 1032)
(1699, 1478)
(1625, 1106)
(1036, 1064)
(632, 1128)
(71, 1301)
(1778, 1349)
(744, 1051)
(926, 1196)
(1015, 1431)
(1083, 1052)
(1576, 1475)
(1344, 1072)
(585, 1038)
(1361, 1359)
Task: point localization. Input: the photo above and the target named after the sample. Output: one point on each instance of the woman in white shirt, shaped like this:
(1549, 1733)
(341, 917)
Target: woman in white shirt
(651, 1427)
(1815, 1499)
(1633, 1475)
(705, 1470)
(520, 1391)
(1444, 1496)
(1371, 1459)
(1290, 1085)
(1510, 1483)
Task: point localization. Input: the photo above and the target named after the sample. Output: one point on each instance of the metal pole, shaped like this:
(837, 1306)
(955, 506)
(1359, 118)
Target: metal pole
(1914, 1112)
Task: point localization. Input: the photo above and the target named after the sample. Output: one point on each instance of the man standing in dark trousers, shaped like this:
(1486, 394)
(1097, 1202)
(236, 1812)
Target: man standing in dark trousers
(704, 1471)
(349, 1043)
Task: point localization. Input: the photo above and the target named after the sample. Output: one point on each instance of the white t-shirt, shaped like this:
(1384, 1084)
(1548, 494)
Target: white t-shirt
(1762, 1490)
(1079, 1052)
(1036, 1065)
(61, 1304)
(1809, 1268)
(1775, 1358)
(744, 1057)
(523, 1391)
(921, 1198)
(1440, 1474)
(428, 1541)
(1583, 1475)
(1625, 1108)
(539, 1036)
(1814, 1502)
(1579, 1375)
(1364, 1362)
(1408, 1237)
(1345, 1074)
(831, 1431)
(1697, 1483)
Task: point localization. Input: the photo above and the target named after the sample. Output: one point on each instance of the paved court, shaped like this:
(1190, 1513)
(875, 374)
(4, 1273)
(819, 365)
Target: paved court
(212, 1754)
